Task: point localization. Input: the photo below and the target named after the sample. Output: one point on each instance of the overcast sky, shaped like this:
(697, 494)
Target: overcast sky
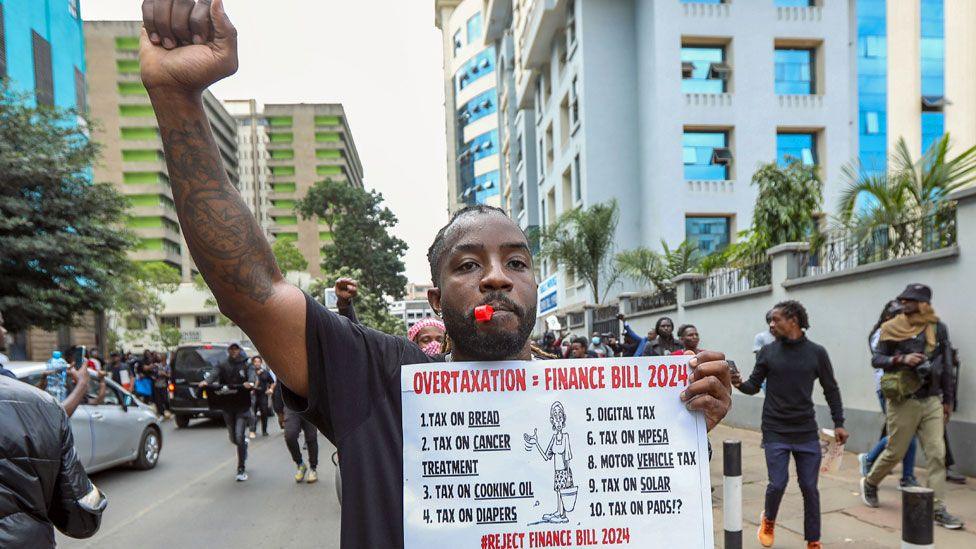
(381, 59)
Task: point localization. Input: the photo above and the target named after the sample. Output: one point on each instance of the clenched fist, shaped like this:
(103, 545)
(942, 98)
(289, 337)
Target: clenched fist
(187, 45)
(346, 290)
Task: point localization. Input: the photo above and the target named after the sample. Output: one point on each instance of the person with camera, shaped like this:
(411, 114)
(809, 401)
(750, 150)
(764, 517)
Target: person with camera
(915, 354)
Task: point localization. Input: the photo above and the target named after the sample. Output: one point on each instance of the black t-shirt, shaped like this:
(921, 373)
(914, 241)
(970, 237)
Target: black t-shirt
(265, 379)
(354, 399)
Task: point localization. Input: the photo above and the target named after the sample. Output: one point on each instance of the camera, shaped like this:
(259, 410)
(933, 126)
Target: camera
(924, 371)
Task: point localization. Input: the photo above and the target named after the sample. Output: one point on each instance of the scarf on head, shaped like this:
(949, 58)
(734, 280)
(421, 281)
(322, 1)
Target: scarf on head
(434, 347)
(904, 326)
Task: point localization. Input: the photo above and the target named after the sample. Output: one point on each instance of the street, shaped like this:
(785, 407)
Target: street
(192, 500)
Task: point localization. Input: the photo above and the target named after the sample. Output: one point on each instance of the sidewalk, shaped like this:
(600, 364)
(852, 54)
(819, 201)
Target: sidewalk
(846, 521)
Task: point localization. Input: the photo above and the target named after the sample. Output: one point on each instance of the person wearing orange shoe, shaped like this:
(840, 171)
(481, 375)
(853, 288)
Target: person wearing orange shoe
(790, 365)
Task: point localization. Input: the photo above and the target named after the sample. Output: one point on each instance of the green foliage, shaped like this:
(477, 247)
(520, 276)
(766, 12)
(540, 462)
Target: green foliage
(787, 207)
(371, 309)
(288, 257)
(62, 248)
(911, 188)
(141, 298)
(582, 240)
(360, 226)
(648, 267)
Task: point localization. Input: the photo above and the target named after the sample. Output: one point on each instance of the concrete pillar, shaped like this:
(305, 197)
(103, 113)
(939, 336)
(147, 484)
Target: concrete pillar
(786, 260)
(588, 310)
(684, 283)
(904, 74)
(965, 216)
(960, 72)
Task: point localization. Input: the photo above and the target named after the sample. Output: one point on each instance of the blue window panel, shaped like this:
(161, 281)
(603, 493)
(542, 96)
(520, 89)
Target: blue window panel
(794, 71)
(481, 65)
(697, 155)
(872, 84)
(933, 126)
(702, 58)
(474, 27)
(794, 3)
(708, 234)
(481, 106)
(482, 146)
(486, 186)
(799, 146)
(702, 1)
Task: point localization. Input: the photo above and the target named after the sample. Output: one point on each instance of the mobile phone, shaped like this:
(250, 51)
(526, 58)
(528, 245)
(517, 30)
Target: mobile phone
(79, 357)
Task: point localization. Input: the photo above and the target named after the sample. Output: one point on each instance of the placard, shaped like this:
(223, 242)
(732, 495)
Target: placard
(553, 453)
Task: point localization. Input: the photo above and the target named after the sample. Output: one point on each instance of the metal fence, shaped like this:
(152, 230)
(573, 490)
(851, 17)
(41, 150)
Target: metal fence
(605, 320)
(667, 297)
(844, 250)
(732, 281)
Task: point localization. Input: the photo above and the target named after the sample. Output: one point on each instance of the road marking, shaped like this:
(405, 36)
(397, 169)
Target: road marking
(226, 463)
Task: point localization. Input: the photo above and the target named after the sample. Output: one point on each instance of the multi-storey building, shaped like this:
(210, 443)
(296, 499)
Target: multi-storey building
(593, 106)
(42, 51)
(252, 150)
(471, 105)
(132, 151)
(307, 143)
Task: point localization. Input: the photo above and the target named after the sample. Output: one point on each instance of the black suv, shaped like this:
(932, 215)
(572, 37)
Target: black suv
(190, 365)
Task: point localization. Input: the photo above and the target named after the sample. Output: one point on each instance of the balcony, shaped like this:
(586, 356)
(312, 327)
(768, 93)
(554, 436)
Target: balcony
(545, 19)
(800, 101)
(167, 256)
(710, 185)
(693, 9)
(800, 14)
(708, 99)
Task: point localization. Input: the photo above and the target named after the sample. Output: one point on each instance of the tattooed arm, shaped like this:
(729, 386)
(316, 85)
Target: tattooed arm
(186, 46)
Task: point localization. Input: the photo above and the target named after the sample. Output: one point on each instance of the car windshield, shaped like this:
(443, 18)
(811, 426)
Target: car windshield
(193, 363)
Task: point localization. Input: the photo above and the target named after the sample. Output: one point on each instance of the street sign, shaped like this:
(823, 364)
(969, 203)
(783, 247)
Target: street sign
(548, 295)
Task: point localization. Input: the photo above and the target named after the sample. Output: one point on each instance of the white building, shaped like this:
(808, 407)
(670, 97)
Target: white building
(252, 152)
(411, 311)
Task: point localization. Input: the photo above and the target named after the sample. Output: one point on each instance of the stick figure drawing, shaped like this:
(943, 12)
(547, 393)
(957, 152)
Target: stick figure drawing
(561, 454)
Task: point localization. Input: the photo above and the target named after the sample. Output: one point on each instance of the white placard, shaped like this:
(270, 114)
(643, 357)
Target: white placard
(555, 453)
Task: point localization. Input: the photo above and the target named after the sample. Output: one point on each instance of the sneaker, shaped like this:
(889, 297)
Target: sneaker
(300, 474)
(241, 475)
(167, 414)
(946, 520)
(955, 477)
(814, 545)
(767, 530)
(264, 434)
(312, 476)
(910, 482)
(253, 434)
(869, 494)
(866, 465)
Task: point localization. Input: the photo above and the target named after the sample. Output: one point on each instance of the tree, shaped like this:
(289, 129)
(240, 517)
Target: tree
(288, 257)
(787, 209)
(911, 187)
(371, 309)
(582, 241)
(141, 300)
(361, 241)
(658, 269)
(62, 247)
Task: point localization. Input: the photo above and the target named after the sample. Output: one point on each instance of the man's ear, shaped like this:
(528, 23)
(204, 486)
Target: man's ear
(434, 298)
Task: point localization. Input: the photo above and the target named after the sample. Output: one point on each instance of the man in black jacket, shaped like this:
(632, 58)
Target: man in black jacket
(44, 484)
(915, 354)
(789, 366)
(232, 382)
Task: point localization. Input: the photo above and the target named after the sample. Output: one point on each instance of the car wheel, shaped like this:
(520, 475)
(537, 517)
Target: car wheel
(182, 421)
(149, 449)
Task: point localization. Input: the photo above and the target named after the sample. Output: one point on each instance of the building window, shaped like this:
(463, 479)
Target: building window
(933, 126)
(458, 44)
(706, 155)
(574, 116)
(478, 108)
(702, 1)
(795, 71)
(43, 77)
(474, 27)
(708, 234)
(932, 70)
(81, 95)
(872, 124)
(795, 3)
(206, 321)
(172, 321)
(703, 69)
(73, 9)
(577, 177)
(134, 322)
(571, 25)
(798, 146)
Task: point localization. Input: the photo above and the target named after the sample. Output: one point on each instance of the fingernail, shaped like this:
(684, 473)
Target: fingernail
(684, 395)
(693, 362)
(197, 39)
(154, 38)
(168, 43)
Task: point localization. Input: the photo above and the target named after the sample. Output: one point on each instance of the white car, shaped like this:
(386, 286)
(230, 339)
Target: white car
(118, 431)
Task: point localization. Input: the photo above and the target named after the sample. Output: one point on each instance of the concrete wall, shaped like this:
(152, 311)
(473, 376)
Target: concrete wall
(843, 306)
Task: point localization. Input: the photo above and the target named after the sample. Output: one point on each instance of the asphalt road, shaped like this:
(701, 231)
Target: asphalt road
(192, 500)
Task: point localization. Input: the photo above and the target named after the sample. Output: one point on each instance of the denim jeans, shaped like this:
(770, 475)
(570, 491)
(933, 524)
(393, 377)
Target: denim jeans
(807, 457)
(908, 463)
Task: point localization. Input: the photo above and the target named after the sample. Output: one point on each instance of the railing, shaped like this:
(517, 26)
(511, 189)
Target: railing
(575, 320)
(844, 250)
(658, 300)
(708, 99)
(605, 320)
(733, 281)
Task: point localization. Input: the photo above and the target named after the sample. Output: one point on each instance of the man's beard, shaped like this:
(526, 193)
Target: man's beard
(466, 338)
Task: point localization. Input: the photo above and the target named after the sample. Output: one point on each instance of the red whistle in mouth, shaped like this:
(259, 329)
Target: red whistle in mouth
(483, 313)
